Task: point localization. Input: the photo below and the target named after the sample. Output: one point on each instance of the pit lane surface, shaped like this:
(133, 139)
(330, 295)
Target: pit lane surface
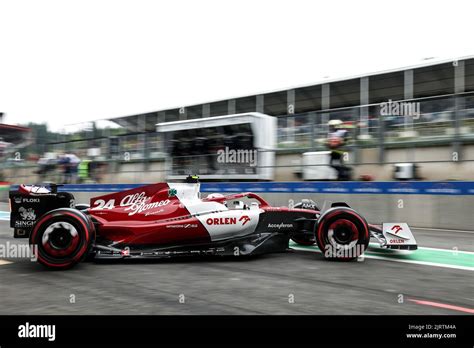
(296, 282)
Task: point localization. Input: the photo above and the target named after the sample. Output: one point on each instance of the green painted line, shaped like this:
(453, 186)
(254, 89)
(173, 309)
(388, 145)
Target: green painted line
(435, 256)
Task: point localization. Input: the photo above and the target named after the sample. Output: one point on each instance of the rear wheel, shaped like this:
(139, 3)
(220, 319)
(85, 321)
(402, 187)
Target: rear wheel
(342, 234)
(63, 238)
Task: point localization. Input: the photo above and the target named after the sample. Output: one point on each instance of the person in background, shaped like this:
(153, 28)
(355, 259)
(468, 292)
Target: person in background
(84, 170)
(46, 167)
(70, 163)
(63, 165)
(337, 138)
(337, 131)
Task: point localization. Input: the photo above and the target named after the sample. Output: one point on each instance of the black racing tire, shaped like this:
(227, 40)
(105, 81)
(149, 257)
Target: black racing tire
(62, 238)
(342, 234)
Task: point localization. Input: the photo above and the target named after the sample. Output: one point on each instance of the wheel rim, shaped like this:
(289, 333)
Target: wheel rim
(343, 232)
(60, 239)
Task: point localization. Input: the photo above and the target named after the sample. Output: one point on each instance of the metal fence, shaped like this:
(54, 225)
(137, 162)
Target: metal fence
(448, 117)
(446, 120)
(437, 120)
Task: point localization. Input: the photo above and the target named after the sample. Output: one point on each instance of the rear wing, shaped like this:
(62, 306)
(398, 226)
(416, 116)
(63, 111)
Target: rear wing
(26, 208)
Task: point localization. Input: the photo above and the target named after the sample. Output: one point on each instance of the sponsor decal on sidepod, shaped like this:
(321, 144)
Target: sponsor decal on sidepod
(228, 220)
(136, 203)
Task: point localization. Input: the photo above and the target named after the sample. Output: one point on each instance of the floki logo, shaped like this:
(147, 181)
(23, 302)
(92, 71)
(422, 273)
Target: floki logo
(19, 200)
(37, 331)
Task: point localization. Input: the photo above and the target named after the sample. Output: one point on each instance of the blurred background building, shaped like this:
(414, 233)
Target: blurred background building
(421, 116)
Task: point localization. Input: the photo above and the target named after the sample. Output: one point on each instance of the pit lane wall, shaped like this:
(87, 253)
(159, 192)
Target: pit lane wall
(443, 205)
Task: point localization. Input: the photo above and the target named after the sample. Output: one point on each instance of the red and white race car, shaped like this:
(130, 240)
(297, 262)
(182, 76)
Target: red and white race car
(166, 220)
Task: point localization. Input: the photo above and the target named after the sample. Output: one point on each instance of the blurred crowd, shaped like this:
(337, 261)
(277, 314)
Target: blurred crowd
(68, 168)
(196, 150)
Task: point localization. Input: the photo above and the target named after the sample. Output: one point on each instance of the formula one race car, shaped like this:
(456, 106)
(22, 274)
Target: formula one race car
(167, 220)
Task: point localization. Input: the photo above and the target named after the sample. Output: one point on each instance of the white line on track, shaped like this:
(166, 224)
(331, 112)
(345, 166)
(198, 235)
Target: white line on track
(3, 262)
(441, 230)
(452, 251)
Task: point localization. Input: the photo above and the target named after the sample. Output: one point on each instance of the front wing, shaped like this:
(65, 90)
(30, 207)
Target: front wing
(392, 235)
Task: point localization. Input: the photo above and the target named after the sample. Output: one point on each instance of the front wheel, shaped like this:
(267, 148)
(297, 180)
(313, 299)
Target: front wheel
(63, 238)
(342, 234)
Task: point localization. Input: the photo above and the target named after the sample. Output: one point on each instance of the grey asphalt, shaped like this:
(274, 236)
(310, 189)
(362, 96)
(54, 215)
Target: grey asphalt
(295, 282)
